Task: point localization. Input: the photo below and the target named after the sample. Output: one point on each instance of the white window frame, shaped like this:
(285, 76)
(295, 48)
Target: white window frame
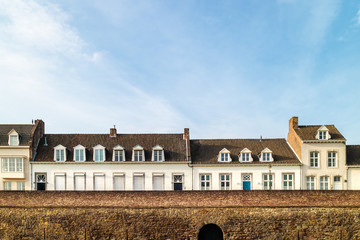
(97, 152)
(323, 133)
(16, 165)
(122, 175)
(7, 186)
(224, 156)
(60, 175)
(11, 134)
(324, 183)
(79, 174)
(242, 155)
(286, 181)
(82, 149)
(205, 181)
(310, 183)
(332, 160)
(267, 181)
(158, 154)
(20, 186)
(138, 149)
(225, 181)
(121, 150)
(163, 181)
(142, 175)
(266, 155)
(60, 148)
(313, 158)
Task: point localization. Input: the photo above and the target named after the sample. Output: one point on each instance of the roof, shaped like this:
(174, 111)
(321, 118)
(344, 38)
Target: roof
(206, 151)
(308, 132)
(24, 130)
(174, 145)
(352, 154)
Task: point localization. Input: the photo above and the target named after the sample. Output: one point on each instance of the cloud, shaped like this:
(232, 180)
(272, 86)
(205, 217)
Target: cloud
(357, 18)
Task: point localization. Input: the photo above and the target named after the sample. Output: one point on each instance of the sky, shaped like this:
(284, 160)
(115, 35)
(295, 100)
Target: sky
(224, 69)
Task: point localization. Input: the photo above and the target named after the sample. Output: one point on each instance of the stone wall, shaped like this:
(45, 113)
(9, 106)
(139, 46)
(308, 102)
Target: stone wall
(97, 218)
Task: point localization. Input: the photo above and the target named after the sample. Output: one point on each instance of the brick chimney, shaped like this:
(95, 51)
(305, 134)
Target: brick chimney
(294, 123)
(113, 132)
(187, 141)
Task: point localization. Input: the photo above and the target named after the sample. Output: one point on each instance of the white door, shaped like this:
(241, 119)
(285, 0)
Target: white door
(119, 183)
(99, 182)
(60, 182)
(337, 183)
(158, 182)
(79, 183)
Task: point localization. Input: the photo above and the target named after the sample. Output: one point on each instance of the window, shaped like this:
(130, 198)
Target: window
(288, 181)
(266, 155)
(59, 153)
(60, 181)
(323, 133)
(99, 153)
(314, 159)
(7, 185)
(139, 179)
(205, 181)
(225, 181)
(157, 154)
(332, 159)
(79, 182)
(119, 181)
(138, 154)
(20, 186)
(99, 181)
(224, 156)
(13, 138)
(119, 154)
(158, 182)
(12, 165)
(324, 183)
(268, 181)
(79, 153)
(310, 183)
(245, 155)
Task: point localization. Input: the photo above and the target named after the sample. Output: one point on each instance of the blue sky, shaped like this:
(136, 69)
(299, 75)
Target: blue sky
(225, 69)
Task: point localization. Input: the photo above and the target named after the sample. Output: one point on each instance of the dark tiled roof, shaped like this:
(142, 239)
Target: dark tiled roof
(206, 151)
(353, 154)
(174, 145)
(309, 132)
(24, 130)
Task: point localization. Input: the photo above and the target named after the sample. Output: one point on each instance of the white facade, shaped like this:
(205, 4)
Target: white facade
(249, 173)
(110, 176)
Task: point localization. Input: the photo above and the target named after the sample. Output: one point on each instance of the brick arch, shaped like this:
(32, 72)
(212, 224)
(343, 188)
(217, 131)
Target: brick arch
(210, 232)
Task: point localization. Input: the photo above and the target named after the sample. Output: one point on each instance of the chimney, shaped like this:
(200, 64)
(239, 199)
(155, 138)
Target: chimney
(294, 123)
(187, 142)
(113, 132)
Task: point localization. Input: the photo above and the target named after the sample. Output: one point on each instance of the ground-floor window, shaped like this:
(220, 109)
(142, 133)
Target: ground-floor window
(119, 182)
(158, 182)
(324, 183)
(288, 181)
(20, 186)
(268, 183)
(99, 182)
(139, 183)
(205, 181)
(7, 185)
(79, 181)
(225, 181)
(310, 183)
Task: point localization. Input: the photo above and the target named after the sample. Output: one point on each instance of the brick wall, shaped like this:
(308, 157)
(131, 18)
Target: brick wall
(180, 215)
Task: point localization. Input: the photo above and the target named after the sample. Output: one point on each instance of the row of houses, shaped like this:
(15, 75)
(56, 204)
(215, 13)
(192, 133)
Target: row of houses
(312, 157)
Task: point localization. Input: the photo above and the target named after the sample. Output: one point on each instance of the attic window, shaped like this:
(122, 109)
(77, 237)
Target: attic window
(59, 153)
(99, 153)
(13, 138)
(323, 133)
(118, 154)
(158, 154)
(245, 155)
(138, 154)
(266, 155)
(79, 153)
(224, 156)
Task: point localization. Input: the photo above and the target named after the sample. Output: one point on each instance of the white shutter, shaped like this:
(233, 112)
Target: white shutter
(119, 182)
(138, 182)
(99, 182)
(79, 182)
(158, 182)
(60, 182)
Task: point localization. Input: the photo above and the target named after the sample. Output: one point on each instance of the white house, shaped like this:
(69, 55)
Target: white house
(112, 162)
(244, 164)
(17, 146)
(322, 150)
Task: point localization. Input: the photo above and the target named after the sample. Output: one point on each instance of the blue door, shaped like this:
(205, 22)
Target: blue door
(246, 185)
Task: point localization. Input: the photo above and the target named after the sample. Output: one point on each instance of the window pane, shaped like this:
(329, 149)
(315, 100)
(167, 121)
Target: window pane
(5, 167)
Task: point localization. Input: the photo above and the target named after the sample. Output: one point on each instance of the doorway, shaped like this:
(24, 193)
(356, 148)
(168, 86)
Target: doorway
(210, 232)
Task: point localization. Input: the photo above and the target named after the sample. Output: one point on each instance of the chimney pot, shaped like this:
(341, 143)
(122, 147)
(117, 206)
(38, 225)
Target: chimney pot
(113, 132)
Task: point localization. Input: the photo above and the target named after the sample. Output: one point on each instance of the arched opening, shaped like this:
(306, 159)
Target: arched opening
(210, 232)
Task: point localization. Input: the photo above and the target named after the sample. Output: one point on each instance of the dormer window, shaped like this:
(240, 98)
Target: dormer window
(158, 154)
(266, 155)
(245, 155)
(59, 153)
(99, 153)
(13, 138)
(119, 154)
(224, 156)
(138, 154)
(79, 153)
(323, 133)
